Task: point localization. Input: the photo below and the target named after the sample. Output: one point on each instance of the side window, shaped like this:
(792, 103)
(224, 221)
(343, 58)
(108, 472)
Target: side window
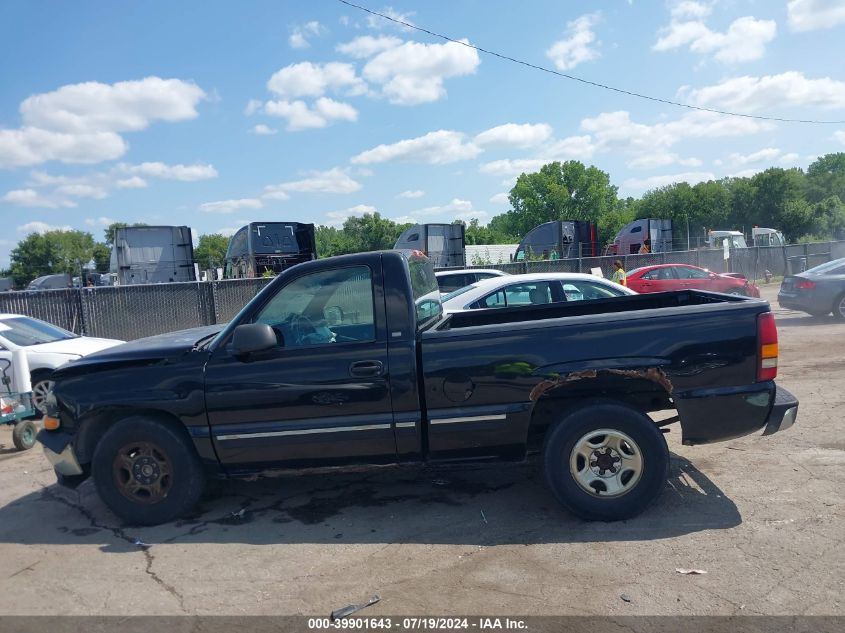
(480, 276)
(586, 291)
(660, 274)
(448, 283)
(496, 300)
(652, 274)
(535, 293)
(690, 273)
(326, 307)
(637, 229)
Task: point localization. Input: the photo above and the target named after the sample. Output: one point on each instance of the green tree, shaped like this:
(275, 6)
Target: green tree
(826, 177)
(371, 232)
(559, 191)
(779, 202)
(475, 233)
(50, 253)
(102, 257)
(211, 250)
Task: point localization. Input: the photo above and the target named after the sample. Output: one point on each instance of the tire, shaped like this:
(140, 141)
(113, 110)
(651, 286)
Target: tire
(23, 435)
(839, 307)
(146, 471)
(641, 469)
(41, 386)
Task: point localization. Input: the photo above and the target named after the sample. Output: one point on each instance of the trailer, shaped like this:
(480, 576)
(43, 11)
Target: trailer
(443, 244)
(152, 255)
(559, 239)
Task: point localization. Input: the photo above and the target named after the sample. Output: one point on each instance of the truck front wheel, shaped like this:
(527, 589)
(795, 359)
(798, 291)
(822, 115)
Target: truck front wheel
(146, 471)
(606, 462)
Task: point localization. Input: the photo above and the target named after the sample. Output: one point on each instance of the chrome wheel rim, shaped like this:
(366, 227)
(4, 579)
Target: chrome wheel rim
(40, 391)
(841, 307)
(142, 472)
(606, 463)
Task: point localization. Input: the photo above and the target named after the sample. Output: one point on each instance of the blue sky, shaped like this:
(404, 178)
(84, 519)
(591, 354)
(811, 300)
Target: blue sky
(213, 114)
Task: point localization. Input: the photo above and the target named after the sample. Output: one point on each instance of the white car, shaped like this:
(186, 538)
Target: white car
(449, 280)
(47, 347)
(532, 289)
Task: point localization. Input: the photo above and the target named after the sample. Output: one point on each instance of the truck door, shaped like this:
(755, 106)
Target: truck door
(322, 396)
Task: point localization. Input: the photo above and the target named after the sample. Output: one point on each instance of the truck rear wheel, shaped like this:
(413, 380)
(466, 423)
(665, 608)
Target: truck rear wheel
(147, 472)
(606, 462)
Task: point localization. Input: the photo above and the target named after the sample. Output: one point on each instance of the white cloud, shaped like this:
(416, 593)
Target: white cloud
(500, 198)
(789, 158)
(101, 221)
(691, 9)
(37, 226)
(416, 193)
(134, 182)
(516, 135)
(299, 37)
(367, 45)
(125, 106)
(413, 73)
(376, 22)
(456, 209)
(82, 191)
(229, 231)
(745, 40)
(301, 117)
(230, 206)
(336, 218)
(32, 198)
(810, 15)
(253, 106)
(508, 168)
(332, 181)
(32, 146)
(80, 123)
(651, 160)
(751, 94)
(185, 173)
(263, 130)
(435, 148)
(652, 182)
(768, 154)
(307, 79)
(578, 46)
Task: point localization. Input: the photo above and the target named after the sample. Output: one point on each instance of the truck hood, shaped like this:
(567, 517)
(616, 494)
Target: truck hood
(151, 349)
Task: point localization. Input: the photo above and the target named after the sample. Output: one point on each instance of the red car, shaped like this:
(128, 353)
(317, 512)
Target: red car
(683, 276)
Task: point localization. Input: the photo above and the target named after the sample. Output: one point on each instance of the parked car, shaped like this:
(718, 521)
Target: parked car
(47, 348)
(665, 277)
(394, 380)
(449, 280)
(817, 291)
(532, 289)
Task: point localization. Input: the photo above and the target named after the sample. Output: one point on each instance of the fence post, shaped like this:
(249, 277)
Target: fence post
(82, 304)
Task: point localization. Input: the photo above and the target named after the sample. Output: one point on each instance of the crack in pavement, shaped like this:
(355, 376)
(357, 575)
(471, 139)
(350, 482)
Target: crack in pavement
(120, 534)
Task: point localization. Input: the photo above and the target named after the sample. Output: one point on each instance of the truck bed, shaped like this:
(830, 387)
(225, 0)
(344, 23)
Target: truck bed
(628, 303)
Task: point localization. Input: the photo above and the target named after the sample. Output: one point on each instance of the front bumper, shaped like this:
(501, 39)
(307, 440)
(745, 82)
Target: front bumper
(59, 452)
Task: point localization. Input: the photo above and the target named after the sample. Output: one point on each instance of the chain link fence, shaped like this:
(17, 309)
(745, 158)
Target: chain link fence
(131, 312)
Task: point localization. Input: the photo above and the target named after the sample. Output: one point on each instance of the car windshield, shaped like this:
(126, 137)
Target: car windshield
(826, 267)
(25, 331)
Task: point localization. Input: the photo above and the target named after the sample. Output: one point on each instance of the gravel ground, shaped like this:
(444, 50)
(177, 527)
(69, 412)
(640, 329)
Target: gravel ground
(762, 516)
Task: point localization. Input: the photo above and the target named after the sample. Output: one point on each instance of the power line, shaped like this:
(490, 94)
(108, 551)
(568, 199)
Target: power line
(595, 84)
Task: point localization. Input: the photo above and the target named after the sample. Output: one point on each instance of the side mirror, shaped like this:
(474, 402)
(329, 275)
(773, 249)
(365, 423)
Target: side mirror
(253, 337)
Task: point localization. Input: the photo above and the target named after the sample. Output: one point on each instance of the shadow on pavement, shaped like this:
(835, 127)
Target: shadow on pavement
(489, 505)
(806, 320)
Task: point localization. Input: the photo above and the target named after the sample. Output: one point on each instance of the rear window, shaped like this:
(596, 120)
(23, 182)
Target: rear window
(828, 268)
(427, 306)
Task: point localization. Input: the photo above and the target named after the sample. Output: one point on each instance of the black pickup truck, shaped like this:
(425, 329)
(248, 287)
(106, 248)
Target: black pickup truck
(351, 360)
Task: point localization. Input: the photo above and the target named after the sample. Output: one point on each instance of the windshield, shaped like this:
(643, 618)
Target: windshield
(425, 289)
(25, 331)
(826, 267)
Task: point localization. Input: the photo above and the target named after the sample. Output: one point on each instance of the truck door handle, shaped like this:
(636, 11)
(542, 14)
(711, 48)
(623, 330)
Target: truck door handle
(366, 368)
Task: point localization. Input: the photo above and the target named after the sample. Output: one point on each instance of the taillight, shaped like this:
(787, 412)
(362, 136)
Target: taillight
(806, 285)
(767, 352)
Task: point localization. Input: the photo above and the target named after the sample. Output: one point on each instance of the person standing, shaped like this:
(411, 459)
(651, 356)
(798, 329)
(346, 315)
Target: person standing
(619, 274)
(645, 247)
